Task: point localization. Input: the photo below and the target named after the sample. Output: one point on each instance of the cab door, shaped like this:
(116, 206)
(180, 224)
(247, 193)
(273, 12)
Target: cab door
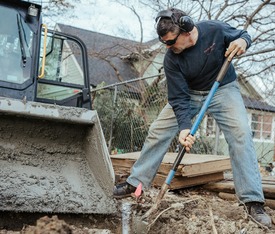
(65, 79)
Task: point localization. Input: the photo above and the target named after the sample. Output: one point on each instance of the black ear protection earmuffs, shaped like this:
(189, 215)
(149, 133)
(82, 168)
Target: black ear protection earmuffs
(185, 23)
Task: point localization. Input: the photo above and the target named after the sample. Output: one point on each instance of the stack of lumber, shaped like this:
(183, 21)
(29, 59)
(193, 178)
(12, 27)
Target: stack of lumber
(226, 189)
(194, 169)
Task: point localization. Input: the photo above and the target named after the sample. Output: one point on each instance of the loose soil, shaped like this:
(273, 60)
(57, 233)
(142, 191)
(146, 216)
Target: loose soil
(189, 211)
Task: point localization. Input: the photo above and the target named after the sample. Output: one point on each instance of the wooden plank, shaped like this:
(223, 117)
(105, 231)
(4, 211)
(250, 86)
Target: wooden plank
(268, 180)
(193, 170)
(228, 187)
(170, 157)
(191, 164)
(232, 197)
(123, 164)
(190, 159)
(179, 182)
(206, 168)
(265, 180)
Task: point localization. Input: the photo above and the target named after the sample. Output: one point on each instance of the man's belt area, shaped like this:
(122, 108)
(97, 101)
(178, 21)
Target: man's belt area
(198, 92)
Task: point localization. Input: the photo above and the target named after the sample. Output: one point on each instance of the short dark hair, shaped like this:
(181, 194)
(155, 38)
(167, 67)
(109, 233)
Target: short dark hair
(170, 24)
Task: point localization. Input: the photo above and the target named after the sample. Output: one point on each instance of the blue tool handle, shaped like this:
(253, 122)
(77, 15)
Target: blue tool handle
(199, 118)
(204, 107)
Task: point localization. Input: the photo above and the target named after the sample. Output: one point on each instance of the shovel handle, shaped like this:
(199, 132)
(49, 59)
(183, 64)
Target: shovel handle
(223, 70)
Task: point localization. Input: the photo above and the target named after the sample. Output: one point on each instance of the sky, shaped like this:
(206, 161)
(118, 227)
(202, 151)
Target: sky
(109, 17)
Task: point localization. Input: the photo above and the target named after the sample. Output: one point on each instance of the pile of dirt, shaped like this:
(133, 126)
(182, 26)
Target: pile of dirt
(198, 211)
(49, 225)
(189, 211)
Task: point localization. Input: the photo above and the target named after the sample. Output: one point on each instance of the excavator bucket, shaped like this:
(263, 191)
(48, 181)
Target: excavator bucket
(53, 159)
(53, 153)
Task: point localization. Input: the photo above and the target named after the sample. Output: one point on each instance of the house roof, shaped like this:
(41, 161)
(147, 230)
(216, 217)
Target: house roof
(106, 55)
(256, 104)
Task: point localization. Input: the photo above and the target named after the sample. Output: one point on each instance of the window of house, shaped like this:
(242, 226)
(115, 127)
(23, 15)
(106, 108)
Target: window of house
(261, 125)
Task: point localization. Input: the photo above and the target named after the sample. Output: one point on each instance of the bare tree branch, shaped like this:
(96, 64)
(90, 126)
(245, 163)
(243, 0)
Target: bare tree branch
(251, 17)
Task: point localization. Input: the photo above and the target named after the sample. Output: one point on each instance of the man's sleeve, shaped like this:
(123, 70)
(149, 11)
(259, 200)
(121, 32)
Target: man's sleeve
(232, 34)
(178, 94)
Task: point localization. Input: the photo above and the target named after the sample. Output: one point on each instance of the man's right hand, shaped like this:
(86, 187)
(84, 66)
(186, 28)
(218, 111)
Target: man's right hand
(236, 47)
(186, 139)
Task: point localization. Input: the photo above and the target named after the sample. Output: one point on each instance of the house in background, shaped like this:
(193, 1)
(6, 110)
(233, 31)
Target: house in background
(261, 117)
(113, 60)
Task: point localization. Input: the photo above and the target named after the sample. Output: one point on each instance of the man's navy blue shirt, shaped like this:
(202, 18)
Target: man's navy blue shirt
(197, 67)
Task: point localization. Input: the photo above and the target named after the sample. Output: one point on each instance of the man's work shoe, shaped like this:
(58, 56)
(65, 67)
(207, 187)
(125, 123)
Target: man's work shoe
(123, 190)
(257, 211)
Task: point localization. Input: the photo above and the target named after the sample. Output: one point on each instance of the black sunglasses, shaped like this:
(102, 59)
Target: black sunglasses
(169, 42)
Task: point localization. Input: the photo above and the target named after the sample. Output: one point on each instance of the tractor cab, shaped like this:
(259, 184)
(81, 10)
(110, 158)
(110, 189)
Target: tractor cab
(38, 64)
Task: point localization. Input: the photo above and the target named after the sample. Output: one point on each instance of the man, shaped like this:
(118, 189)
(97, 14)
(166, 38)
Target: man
(195, 54)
